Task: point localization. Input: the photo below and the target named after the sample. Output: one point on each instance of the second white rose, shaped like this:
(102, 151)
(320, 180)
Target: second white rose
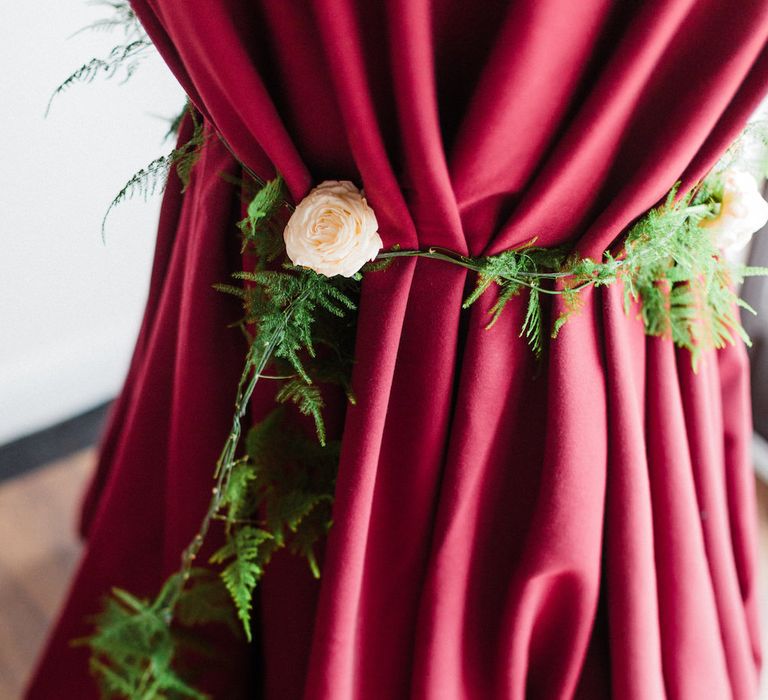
(333, 231)
(743, 211)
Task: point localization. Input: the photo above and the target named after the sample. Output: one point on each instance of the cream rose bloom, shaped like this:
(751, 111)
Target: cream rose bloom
(333, 231)
(743, 211)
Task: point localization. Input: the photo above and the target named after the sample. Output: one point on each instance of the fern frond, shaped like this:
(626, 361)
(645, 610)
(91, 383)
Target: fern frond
(205, 601)
(145, 182)
(484, 281)
(236, 491)
(313, 527)
(295, 483)
(122, 17)
(244, 557)
(125, 57)
(674, 269)
(264, 205)
(573, 303)
(509, 290)
(308, 399)
(133, 649)
(286, 511)
(174, 125)
(261, 434)
(152, 178)
(533, 327)
(295, 300)
(111, 682)
(259, 227)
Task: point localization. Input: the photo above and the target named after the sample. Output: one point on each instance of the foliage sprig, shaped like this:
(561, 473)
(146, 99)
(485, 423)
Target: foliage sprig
(153, 177)
(275, 494)
(124, 58)
(669, 265)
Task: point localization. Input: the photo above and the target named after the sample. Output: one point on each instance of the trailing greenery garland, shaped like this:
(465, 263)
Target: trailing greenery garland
(684, 285)
(275, 495)
(274, 489)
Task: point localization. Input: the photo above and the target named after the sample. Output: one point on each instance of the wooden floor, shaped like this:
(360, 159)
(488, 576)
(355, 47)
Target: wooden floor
(39, 551)
(38, 554)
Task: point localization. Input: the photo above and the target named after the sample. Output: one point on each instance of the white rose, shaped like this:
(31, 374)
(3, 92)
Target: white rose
(333, 231)
(742, 212)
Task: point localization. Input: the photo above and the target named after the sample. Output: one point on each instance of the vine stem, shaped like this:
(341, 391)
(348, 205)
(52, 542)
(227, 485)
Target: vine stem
(475, 265)
(256, 361)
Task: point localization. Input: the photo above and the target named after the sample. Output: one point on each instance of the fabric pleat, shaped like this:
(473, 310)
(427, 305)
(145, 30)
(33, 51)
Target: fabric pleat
(504, 527)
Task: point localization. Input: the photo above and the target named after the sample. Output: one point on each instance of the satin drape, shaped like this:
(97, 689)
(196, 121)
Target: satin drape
(502, 529)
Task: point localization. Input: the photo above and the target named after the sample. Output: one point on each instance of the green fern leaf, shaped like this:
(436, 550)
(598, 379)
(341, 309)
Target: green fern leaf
(205, 601)
(286, 512)
(110, 681)
(236, 496)
(309, 401)
(244, 570)
(533, 327)
(124, 57)
(152, 178)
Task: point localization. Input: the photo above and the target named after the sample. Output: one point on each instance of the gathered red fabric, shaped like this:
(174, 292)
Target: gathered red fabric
(503, 528)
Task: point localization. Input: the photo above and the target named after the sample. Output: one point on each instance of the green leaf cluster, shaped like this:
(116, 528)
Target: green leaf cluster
(669, 264)
(278, 496)
(275, 494)
(135, 650)
(261, 228)
(124, 58)
(245, 559)
(683, 283)
(513, 272)
(153, 177)
(303, 321)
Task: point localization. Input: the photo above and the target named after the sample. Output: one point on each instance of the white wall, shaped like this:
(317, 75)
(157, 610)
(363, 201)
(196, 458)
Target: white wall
(70, 305)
